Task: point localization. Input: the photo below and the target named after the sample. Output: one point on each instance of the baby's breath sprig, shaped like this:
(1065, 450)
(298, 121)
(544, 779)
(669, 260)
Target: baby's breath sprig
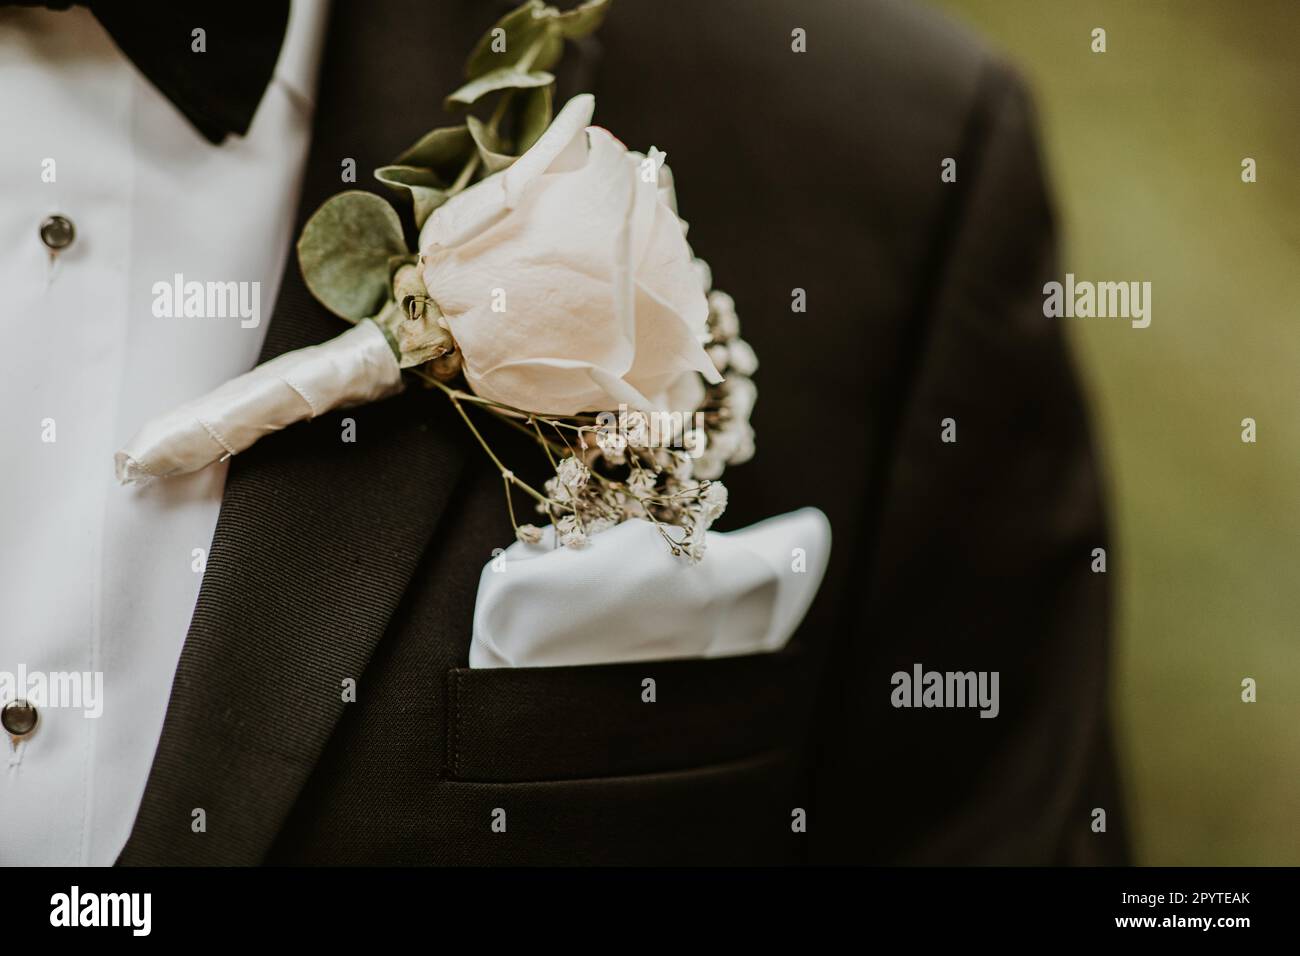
(603, 475)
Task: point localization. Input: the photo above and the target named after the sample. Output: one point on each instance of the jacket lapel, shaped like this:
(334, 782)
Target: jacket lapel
(317, 538)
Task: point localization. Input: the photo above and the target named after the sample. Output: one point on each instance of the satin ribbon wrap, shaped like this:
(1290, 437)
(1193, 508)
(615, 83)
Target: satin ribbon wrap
(355, 368)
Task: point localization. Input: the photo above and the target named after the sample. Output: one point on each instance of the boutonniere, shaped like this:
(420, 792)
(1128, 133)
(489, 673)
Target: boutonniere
(553, 287)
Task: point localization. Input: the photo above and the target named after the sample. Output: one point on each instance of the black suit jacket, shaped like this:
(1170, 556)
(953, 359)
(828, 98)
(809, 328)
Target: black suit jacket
(816, 171)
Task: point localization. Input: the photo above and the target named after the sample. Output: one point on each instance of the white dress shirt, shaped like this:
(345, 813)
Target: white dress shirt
(96, 578)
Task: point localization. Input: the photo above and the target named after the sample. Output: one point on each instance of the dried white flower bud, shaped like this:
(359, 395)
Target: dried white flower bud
(571, 535)
(612, 444)
(741, 357)
(696, 543)
(683, 466)
(742, 394)
(642, 483)
(720, 355)
(556, 491)
(636, 428)
(706, 274)
(723, 322)
(573, 474)
(714, 501)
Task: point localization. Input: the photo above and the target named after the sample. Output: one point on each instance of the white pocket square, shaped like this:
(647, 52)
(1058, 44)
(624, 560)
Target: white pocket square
(624, 597)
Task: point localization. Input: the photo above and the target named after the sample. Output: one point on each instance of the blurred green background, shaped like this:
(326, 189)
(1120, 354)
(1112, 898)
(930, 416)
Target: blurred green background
(1144, 145)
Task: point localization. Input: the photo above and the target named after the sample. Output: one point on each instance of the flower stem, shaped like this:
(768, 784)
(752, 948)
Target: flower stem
(506, 473)
(510, 504)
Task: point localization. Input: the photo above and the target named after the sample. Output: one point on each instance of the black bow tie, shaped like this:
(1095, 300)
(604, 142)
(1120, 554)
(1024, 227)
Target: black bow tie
(217, 89)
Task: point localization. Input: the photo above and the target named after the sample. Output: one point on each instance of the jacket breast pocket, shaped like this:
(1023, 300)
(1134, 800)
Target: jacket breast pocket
(564, 723)
(653, 762)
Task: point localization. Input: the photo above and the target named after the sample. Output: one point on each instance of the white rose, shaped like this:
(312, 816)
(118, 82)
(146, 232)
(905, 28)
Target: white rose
(567, 281)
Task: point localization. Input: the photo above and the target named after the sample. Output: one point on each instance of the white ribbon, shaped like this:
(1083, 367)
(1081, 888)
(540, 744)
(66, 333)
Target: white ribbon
(355, 368)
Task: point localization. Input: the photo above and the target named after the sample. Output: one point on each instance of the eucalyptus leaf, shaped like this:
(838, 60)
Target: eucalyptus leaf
(424, 186)
(444, 150)
(505, 78)
(533, 35)
(583, 19)
(345, 253)
(550, 48)
(534, 23)
(403, 176)
(520, 23)
(534, 117)
(490, 147)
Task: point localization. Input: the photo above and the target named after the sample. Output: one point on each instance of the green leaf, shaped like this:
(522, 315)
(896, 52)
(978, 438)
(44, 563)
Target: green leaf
(346, 252)
(534, 116)
(532, 23)
(518, 28)
(443, 150)
(490, 147)
(583, 19)
(424, 186)
(401, 177)
(505, 78)
(534, 34)
(550, 48)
